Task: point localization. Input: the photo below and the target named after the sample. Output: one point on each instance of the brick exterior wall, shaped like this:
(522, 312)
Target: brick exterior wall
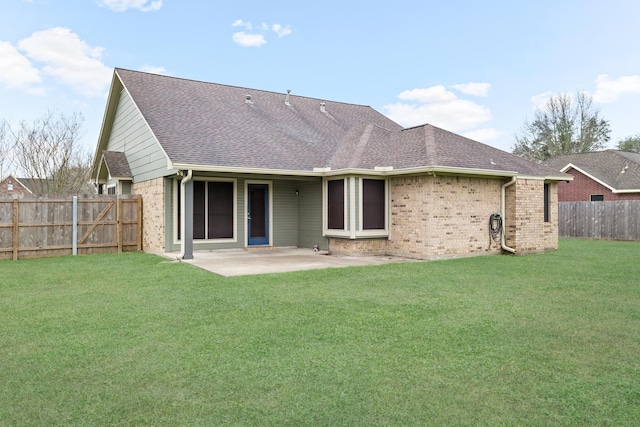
(11, 182)
(153, 229)
(582, 187)
(442, 216)
(448, 216)
(526, 231)
(357, 247)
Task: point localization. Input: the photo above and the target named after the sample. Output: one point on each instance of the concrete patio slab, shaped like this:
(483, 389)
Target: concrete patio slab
(239, 262)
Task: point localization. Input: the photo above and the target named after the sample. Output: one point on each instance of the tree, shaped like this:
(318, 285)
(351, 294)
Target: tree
(630, 143)
(6, 151)
(564, 125)
(48, 151)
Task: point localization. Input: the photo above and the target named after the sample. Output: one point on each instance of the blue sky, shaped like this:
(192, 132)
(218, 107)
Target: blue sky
(475, 68)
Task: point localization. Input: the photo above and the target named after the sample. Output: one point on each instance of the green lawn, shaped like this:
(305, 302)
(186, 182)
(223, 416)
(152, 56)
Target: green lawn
(131, 339)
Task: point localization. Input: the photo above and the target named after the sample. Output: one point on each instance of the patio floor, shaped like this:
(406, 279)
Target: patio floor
(239, 262)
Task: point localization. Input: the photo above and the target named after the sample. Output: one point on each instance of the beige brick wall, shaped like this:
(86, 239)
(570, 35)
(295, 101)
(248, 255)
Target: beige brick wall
(551, 228)
(357, 246)
(526, 230)
(442, 216)
(153, 229)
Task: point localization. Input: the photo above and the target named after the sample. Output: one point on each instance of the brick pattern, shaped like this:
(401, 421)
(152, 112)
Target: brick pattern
(526, 230)
(357, 247)
(582, 187)
(153, 228)
(441, 217)
(444, 216)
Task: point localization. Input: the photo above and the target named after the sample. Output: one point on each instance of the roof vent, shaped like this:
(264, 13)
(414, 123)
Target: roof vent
(286, 100)
(323, 107)
(248, 100)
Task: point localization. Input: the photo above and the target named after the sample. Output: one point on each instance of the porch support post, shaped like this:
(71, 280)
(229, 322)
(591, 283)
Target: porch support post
(188, 223)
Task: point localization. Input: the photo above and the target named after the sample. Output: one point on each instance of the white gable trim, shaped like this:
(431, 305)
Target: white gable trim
(599, 181)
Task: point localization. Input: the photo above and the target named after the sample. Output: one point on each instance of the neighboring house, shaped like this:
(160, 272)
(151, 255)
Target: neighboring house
(232, 167)
(15, 186)
(607, 175)
(37, 187)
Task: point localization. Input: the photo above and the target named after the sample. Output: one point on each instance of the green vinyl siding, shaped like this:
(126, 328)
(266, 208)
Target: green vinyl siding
(310, 215)
(296, 219)
(131, 135)
(285, 213)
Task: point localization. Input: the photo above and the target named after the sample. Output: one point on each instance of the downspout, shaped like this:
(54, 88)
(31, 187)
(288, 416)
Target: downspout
(503, 208)
(183, 184)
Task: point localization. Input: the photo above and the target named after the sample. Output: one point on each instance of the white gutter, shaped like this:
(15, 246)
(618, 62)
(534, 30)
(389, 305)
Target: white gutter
(503, 208)
(326, 171)
(183, 184)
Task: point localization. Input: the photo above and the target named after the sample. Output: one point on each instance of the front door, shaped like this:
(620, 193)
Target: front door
(258, 214)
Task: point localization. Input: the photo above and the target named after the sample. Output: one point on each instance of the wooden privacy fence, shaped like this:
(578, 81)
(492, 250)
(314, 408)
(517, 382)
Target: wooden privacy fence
(34, 227)
(600, 220)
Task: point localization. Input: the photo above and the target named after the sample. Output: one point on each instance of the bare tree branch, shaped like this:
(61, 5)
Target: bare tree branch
(6, 151)
(48, 151)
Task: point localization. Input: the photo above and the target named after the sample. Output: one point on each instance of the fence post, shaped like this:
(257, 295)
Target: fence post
(15, 229)
(119, 223)
(74, 238)
(139, 236)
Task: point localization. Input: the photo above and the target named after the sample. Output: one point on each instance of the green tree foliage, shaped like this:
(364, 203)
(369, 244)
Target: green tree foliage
(564, 125)
(630, 143)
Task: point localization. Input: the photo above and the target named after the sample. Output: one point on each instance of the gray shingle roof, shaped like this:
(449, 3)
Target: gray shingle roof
(117, 164)
(208, 124)
(619, 170)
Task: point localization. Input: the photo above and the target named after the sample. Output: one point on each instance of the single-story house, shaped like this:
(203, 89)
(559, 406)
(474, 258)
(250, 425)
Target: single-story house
(607, 175)
(223, 167)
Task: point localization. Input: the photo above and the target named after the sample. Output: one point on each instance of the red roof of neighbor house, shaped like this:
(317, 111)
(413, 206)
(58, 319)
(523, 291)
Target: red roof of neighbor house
(619, 170)
(207, 124)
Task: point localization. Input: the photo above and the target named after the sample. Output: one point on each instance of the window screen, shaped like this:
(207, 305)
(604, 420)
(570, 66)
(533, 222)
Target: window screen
(373, 204)
(335, 190)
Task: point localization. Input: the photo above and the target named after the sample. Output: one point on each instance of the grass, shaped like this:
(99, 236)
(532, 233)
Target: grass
(131, 339)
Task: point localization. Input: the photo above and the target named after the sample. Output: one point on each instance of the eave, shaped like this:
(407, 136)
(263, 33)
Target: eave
(378, 171)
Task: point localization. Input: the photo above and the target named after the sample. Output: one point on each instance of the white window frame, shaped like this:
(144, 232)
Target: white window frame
(331, 232)
(176, 207)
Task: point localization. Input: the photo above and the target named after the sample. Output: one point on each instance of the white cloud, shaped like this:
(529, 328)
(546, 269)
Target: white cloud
(433, 94)
(69, 60)
(241, 23)
(15, 69)
(438, 106)
(608, 90)
(248, 40)
(474, 89)
(540, 100)
(154, 69)
(123, 5)
(280, 30)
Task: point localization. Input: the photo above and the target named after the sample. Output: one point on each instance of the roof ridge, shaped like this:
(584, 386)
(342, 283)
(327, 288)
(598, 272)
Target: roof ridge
(430, 143)
(362, 143)
(239, 87)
